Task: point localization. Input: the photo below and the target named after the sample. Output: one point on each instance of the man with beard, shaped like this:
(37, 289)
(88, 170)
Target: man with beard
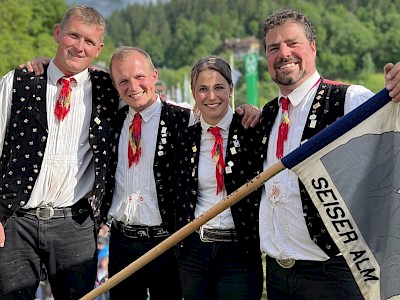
(302, 260)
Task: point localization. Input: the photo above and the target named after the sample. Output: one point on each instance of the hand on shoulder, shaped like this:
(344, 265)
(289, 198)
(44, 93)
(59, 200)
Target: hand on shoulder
(392, 80)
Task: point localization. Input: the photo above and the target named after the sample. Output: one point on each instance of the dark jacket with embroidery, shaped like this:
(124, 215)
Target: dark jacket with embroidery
(173, 119)
(26, 137)
(327, 107)
(246, 162)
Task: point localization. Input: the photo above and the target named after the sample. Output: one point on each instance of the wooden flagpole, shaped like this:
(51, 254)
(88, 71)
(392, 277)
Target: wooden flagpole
(317, 142)
(185, 231)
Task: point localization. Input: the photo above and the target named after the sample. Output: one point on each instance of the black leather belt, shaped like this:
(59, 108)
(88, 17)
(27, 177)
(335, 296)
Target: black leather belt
(290, 262)
(139, 231)
(216, 235)
(48, 212)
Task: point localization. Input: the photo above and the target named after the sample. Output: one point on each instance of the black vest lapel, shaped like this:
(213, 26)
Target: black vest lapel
(172, 120)
(25, 141)
(327, 107)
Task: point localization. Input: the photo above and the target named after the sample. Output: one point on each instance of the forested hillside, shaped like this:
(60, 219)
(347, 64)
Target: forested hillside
(351, 34)
(355, 38)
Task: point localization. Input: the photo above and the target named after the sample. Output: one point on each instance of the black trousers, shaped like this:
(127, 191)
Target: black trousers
(160, 277)
(219, 270)
(67, 248)
(311, 280)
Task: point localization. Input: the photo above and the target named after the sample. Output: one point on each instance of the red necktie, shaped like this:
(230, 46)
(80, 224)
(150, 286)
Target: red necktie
(217, 153)
(63, 103)
(283, 127)
(135, 140)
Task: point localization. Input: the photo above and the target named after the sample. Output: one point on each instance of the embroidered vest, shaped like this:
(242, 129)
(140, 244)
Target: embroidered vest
(247, 164)
(173, 119)
(244, 156)
(327, 107)
(26, 137)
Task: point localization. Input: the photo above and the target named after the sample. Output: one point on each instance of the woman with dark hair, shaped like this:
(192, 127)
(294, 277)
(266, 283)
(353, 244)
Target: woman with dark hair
(222, 259)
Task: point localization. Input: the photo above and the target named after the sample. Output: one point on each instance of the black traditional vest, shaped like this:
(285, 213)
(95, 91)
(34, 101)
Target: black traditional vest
(327, 107)
(173, 119)
(245, 154)
(26, 137)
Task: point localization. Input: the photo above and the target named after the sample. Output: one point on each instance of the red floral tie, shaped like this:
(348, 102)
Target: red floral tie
(217, 153)
(63, 103)
(283, 127)
(135, 140)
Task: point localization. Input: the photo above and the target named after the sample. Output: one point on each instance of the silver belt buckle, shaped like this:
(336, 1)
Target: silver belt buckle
(286, 263)
(144, 232)
(202, 237)
(40, 217)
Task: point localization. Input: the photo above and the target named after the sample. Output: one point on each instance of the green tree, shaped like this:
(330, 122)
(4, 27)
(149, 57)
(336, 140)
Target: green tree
(368, 65)
(120, 30)
(26, 30)
(354, 37)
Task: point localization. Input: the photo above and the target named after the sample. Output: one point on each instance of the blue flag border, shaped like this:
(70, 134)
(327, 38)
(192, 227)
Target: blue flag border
(337, 129)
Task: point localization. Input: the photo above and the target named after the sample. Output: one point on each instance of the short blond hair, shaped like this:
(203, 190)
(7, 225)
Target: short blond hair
(123, 52)
(88, 15)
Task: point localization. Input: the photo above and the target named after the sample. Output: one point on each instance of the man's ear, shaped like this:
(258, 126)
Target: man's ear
(56, 32)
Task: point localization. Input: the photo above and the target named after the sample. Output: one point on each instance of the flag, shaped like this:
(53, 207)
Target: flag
(251, 75)
(352, 172)
(364, 224)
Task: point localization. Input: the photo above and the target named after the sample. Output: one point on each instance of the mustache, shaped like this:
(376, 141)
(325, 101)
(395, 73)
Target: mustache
(284, 61)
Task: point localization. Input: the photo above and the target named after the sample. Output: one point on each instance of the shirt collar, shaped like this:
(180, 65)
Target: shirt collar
(54, 74)
(298, 94)
(224, 123)
(149, 112)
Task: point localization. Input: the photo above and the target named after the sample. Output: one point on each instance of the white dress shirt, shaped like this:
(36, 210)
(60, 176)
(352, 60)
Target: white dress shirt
(67, 173)
(283, 231)
(135, 196)
(207, 196)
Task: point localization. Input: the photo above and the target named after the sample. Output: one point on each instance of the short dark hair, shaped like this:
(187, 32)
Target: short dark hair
(288, 15)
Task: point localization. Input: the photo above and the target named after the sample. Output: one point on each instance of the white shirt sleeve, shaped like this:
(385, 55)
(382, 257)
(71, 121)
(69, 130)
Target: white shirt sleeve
(355, 96)
(6, 85)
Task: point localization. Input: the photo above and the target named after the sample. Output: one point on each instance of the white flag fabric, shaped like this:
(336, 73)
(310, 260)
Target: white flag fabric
(354, 181)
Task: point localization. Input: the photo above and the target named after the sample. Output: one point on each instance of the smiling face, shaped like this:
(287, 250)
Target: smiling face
(135, 80)
(211, 92)
(79, 43)
(290, 55)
